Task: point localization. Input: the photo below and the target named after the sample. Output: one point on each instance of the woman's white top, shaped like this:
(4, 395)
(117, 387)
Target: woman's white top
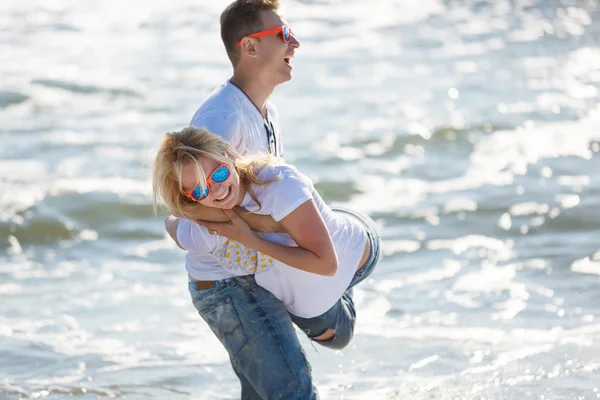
(304, 294)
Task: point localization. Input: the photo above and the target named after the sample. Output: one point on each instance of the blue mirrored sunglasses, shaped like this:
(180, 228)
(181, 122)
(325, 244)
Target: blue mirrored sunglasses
(219, 175)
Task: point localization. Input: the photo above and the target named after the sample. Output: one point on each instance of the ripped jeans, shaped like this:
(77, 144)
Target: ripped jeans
(257, 332)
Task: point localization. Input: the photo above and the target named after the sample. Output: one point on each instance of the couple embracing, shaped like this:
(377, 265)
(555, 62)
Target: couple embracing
(264, 251)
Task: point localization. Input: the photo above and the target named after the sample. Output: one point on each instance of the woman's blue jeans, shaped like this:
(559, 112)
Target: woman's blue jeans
(342, 316)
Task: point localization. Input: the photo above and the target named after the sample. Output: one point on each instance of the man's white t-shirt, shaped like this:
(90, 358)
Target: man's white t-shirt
(303, 293)
(229, 113)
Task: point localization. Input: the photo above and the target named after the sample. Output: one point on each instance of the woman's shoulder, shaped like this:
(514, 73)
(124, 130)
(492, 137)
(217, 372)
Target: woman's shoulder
(280, 178)
(282, 190)
(278, 169)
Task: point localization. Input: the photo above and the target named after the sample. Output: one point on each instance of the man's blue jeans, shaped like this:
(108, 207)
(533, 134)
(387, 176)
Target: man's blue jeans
(257, 332)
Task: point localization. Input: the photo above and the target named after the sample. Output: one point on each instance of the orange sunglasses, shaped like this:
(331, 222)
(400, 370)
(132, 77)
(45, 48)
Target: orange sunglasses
(285, 30)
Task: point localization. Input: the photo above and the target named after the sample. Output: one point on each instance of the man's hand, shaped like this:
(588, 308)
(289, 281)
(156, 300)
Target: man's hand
(260, 223)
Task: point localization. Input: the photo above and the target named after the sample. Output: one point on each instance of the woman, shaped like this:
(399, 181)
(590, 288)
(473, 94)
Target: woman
(311, 268)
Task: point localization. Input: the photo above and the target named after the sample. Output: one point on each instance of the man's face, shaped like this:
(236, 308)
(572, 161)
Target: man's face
(274, 54)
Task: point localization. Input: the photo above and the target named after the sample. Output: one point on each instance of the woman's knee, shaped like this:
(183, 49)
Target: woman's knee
(327, 335)
(335, 340)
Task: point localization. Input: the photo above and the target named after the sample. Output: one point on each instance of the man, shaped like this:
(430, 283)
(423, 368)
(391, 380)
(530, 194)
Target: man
(252, 324)
(260, 52)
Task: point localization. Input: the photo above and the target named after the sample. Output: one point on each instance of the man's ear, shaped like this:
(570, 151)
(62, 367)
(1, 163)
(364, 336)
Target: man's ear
(249, 46)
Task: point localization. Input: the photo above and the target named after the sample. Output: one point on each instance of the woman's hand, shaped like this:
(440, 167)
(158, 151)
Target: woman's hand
(237, 229)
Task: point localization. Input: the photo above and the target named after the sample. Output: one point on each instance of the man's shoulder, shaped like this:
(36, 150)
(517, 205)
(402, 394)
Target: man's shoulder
(225, 91)
(223, 99)
(222, 107)
(225, 105)
(272, 110)
(225, 116)
(271, 106)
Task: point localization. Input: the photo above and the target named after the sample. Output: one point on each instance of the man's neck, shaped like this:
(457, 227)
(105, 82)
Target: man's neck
(258, 92)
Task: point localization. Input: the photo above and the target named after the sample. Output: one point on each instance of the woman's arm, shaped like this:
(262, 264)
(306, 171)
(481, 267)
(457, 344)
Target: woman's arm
(315, 252)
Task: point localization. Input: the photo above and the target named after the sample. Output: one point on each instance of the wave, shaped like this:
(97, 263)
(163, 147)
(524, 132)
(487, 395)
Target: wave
(10, 98)
(85, 216)
(86, 89)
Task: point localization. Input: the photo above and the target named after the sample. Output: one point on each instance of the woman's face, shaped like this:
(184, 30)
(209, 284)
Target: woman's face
(225, 194)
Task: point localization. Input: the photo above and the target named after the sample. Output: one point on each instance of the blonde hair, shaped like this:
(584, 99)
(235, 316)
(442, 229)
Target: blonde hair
(188, 146)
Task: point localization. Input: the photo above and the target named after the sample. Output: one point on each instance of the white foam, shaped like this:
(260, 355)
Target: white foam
(586, 266)
(528, 208)
(10, 288)
(146, 249)
(488, 279)
(505, 222)
(501, 250)
(457, 204)
(389, 13)
(567, 200)
(422, 363)
(400, 246)
(120, 186)
(449, 270)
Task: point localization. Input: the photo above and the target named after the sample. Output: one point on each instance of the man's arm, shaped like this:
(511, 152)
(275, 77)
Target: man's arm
(257, 222)
(171, 224)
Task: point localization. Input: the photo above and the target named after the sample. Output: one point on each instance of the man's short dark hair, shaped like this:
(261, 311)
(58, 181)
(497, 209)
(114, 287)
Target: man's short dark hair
(240, 19)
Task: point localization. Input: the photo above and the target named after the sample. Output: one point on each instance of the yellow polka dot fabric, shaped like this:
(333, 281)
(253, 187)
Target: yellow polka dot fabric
(236, 258)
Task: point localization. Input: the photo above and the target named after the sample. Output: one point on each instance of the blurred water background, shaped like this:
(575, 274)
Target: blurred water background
(470, 130)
